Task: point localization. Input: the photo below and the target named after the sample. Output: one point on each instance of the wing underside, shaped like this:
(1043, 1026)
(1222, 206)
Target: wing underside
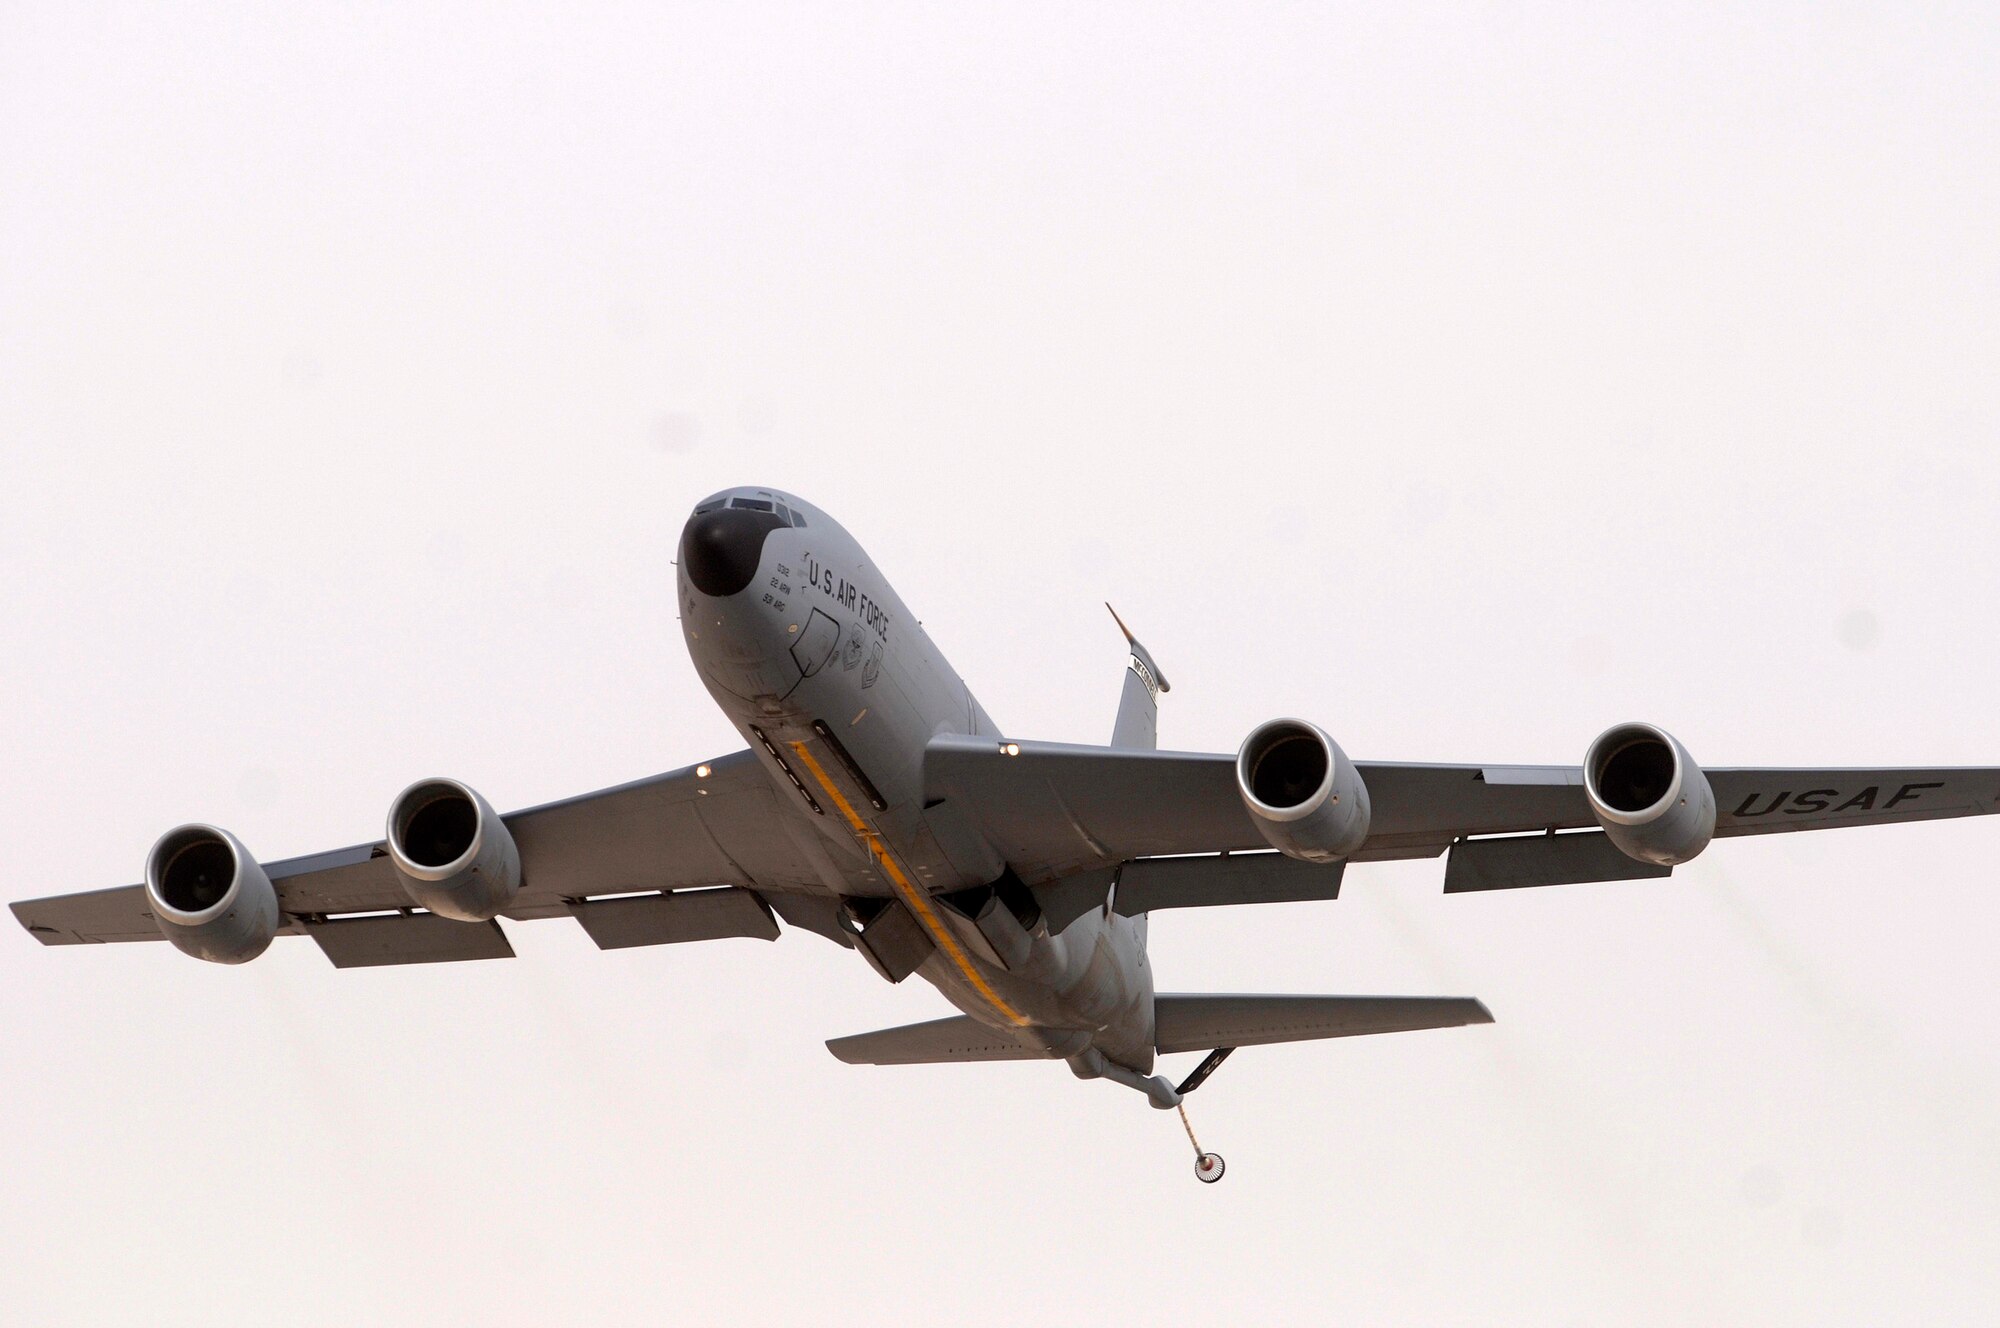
(709, 851)
(693, 854)
(1056, 811)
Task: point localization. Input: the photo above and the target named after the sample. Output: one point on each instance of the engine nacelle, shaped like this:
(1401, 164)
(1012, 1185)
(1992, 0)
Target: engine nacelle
(1304, 794)
(209, 896)
(1646, 791)
(453, 854)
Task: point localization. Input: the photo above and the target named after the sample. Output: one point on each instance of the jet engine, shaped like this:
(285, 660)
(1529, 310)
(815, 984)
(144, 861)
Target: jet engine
(1646, 791)
(209, 896)
(451, 850)
(1304, 794)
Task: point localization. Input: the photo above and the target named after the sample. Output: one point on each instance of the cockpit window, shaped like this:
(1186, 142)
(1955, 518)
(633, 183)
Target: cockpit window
(754, 504)
(784, 514)
(707, 507)
(798, 518)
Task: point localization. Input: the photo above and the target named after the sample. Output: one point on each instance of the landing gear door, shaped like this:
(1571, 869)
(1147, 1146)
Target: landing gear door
(815, 645)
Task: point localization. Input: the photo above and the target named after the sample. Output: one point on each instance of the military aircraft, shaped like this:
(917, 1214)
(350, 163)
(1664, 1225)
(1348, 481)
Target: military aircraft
(879, 806)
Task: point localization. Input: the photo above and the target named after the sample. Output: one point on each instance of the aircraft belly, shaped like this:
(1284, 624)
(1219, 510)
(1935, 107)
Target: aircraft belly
(1045, 1019)
(1088, 987)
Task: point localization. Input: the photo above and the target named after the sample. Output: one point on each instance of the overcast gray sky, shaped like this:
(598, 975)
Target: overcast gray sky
(1466, 378)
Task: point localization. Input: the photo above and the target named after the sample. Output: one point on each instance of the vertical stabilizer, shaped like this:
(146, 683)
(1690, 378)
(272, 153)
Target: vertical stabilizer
(1138, 706)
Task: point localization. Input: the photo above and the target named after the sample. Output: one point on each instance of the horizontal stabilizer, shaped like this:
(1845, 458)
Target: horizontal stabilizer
(1201, 1023)
(959, 1038)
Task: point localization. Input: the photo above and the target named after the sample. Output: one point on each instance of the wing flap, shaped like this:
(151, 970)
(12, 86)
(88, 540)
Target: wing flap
(675, 917)
(1514, 861)
(1235, 878)
(407, 938)
(1210, 880)
(1203, 1023)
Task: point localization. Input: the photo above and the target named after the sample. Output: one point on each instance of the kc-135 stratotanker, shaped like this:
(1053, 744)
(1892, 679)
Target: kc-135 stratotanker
(879, 806)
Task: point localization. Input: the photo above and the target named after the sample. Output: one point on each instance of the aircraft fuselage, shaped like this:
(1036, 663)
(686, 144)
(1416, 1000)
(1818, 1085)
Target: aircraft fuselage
(836, 686)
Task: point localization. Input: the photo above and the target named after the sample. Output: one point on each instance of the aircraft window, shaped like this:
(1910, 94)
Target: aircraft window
(798, 518)
(754, 504)
(706, 507)
(784, 514)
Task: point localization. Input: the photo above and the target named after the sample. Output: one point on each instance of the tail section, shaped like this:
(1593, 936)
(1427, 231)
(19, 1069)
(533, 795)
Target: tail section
(1181, 1023)
(1138, 706)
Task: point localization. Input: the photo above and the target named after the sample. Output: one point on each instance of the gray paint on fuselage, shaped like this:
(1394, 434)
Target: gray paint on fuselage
(883, 692)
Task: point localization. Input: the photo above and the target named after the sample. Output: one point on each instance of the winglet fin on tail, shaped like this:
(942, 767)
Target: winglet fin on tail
(1138, 705)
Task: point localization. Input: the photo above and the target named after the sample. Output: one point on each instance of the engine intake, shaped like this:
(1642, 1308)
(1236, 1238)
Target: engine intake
(209, 897)
(1653, 801)
(1305, 796)
(451, 850)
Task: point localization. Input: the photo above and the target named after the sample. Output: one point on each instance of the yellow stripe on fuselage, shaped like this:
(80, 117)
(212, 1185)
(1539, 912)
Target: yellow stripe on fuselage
(910, 893)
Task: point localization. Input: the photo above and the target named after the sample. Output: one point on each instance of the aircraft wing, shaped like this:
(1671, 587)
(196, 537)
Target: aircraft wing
(667, 832)
(1054, 809)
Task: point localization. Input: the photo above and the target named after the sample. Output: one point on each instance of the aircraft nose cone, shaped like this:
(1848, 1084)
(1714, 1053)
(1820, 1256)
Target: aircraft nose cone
(721, 549)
